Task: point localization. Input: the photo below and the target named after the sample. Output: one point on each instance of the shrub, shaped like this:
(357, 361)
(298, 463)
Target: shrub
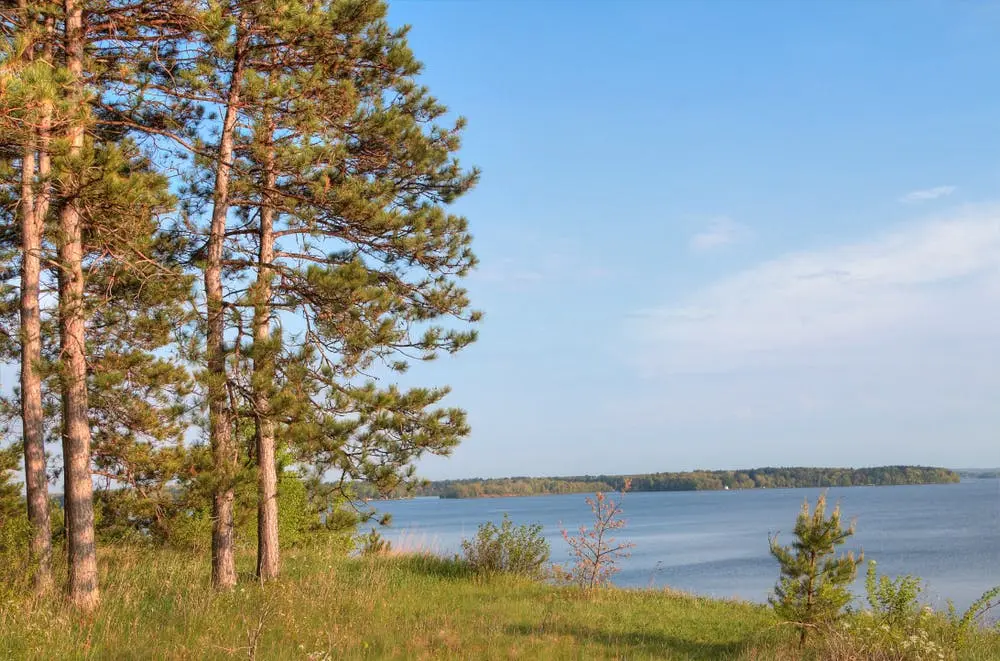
(595, 551)
(15, 569)
(15, 531)
(184, 521)
(893, 602)
(372, 543)
(813, 588)
(507, 549)
(895, 627)
(962, 626)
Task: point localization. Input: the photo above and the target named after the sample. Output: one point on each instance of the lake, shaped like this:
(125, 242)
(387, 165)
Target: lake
(715, 542)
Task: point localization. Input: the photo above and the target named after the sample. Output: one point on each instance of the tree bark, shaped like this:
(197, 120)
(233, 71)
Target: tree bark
(224, 452)
(33, 209)
(79, 493)
(268, 548)
(32, 428)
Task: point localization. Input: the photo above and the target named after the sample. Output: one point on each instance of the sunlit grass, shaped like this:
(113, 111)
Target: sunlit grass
(158, 604)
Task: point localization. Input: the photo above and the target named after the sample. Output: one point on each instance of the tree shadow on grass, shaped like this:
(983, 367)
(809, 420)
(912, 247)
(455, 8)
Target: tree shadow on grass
(654, 645)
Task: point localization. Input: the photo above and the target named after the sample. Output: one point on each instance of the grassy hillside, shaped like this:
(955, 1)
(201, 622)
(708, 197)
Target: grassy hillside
(159, 605)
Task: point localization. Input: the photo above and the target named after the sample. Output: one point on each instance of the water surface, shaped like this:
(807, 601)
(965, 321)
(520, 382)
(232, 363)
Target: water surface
(715, 542)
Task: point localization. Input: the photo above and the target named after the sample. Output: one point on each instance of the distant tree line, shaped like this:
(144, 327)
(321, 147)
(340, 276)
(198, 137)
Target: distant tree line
(700, 480)
(980, 474)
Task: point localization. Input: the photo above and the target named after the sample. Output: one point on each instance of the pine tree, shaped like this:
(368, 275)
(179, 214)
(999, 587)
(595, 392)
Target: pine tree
(224, 450)
(330, 180)
(137, 295)
(338, 186)
(262, 381)
(814, 586)
(26, 85)
(78, 489)
(367, 255)
(103, 201)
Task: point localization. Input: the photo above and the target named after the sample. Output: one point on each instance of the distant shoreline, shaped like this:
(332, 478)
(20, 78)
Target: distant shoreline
(701, 480)
(570, 493)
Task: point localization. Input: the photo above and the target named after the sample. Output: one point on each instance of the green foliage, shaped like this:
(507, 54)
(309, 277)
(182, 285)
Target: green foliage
(181, 517)
(367, 255)
(507, 549)
(813, 588)
(15, 535)
(190, 530)
(893, 601)
(964, 625)
(894, 626)
(15, 531)
(754, 478)
(297, 521)
(11, 501)
(372, 543)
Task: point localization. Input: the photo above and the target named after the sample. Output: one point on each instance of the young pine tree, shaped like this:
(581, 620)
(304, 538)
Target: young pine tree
(814, 585)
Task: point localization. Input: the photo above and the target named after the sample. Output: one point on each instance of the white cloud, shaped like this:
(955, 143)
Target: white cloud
(720, 232)
(922, 288)
(927, 194)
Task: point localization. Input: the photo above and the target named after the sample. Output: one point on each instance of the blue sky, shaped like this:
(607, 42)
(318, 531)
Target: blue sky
(724, 234)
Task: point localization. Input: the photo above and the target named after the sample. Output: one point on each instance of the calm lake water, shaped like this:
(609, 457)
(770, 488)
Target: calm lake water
(715, 542)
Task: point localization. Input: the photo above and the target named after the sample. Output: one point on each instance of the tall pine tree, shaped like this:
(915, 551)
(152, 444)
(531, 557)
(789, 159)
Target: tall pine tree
(28, 87)
(93, 194)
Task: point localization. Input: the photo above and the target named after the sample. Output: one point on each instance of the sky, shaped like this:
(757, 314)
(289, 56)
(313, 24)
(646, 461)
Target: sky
(723, 234)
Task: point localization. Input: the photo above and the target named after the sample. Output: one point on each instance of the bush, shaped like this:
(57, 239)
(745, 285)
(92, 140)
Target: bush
(507, 549)
(15, 569)
(15, 531)
(183, 520)
(893, 602)
(895, 627)
(963, 626)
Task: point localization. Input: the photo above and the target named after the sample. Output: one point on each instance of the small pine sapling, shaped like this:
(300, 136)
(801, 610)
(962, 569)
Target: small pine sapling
(813, 588)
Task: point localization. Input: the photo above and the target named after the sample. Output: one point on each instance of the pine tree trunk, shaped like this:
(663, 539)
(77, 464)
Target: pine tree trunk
(224, 453)
(268, 550)
(32, 429)
(79, 494)
(33, 210)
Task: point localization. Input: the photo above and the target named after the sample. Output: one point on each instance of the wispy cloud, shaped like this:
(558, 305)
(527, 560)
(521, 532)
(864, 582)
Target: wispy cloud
(720, 232)
(918, 286)
(927, 194)
(536, 269)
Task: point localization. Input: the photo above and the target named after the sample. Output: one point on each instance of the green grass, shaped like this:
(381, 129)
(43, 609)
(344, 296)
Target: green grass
(158, 604)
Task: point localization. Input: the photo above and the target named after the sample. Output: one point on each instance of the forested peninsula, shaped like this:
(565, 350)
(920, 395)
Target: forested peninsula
(699, 480)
